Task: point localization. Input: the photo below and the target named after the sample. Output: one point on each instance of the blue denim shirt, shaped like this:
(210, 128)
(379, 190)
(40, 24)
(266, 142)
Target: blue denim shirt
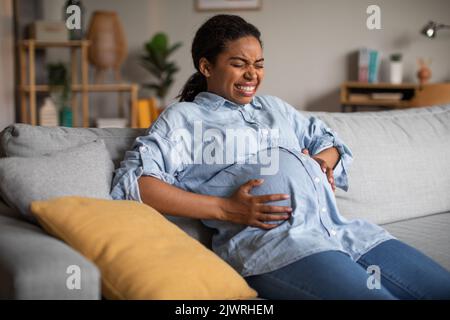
(212, 146)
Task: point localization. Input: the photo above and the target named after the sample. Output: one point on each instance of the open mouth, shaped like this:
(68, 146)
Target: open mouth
(246, 90)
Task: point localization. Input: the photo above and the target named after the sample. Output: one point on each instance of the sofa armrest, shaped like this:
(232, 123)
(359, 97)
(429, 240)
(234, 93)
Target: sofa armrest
(34, 265)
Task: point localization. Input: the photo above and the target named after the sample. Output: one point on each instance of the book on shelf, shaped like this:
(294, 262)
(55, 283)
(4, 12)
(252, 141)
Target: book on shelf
(358, 97)
(373, 66)
(397, 96)
(363, 65)
(364, 97)
(368, 65)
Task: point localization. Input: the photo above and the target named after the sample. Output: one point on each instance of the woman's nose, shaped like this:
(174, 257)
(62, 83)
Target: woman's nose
(250, 74)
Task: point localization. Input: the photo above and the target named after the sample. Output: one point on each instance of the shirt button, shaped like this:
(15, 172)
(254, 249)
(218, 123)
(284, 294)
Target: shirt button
(333, 232)
(317, 179)
(324, 209)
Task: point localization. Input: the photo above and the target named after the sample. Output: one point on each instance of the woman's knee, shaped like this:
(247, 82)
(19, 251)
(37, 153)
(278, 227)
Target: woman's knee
(407, 272)
(325, 275)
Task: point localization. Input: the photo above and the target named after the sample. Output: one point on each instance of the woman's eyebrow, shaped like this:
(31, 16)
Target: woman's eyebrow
(245, 60)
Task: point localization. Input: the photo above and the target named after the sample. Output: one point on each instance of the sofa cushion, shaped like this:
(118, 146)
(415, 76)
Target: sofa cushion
(141, 254)
(26, 141)
(84, 170)
(430, 234)
(400, 169)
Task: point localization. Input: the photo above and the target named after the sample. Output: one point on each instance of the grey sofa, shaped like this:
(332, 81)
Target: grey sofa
(400, 179)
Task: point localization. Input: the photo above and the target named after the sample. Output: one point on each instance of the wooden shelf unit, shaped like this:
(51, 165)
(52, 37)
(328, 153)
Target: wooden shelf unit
(28, 89)
(413, 95)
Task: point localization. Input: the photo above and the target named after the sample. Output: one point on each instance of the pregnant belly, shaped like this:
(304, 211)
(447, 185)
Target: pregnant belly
(289, 176)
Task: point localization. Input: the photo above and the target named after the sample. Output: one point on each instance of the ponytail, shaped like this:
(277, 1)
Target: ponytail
(195, 84)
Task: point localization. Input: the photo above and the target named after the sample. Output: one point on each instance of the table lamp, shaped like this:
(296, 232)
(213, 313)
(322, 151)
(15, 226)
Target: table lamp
(430, 29)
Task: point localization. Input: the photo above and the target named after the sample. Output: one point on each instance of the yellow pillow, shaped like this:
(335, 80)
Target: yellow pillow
(141, 255)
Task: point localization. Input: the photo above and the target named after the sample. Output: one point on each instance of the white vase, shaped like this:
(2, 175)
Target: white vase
(48, 114)
(396, 72)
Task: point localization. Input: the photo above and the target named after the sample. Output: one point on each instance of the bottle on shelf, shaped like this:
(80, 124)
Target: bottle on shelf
(65, 116)
(48, 114)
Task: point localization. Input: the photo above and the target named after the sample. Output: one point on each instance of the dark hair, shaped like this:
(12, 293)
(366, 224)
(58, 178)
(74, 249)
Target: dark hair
(209, 41)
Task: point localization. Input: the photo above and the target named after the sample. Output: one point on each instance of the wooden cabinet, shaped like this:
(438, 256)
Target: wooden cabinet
(79, 86)
(393, 96)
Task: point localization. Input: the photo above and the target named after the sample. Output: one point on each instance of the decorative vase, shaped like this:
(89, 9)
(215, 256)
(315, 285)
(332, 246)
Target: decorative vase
(396, 72)
(48, 114)
(108, 48)
(424, 73)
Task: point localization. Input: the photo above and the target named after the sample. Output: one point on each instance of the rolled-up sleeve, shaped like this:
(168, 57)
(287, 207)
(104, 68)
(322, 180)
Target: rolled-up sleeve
(316, 136)
(151, 155)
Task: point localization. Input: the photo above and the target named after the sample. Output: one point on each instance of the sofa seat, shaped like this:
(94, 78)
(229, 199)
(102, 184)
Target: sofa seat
(429, 234)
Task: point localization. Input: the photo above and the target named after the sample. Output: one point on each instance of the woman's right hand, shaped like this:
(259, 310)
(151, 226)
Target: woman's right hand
(245, 208)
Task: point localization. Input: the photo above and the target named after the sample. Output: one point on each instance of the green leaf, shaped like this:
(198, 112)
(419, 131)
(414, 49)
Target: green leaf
(173, 48)
(152, 69)
(157, 58)
(170, 67)
(159, 42)
(167, 82)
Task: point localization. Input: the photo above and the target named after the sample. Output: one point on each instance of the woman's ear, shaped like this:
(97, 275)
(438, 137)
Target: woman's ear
(205, 67)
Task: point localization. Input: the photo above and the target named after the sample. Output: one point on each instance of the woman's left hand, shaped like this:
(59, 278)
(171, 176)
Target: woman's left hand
(325, 168)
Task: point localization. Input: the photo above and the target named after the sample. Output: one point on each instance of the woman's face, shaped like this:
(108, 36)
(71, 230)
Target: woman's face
(237, 72)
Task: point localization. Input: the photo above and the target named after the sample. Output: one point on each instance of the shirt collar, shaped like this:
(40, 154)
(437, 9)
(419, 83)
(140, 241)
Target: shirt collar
(214, 101)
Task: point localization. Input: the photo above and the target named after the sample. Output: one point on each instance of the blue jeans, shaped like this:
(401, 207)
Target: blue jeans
(405, 273)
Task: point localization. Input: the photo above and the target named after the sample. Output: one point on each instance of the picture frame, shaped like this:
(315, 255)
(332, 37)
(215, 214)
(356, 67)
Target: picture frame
(235, 5)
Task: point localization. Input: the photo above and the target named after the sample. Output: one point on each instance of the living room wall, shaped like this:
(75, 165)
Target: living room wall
(307, 42)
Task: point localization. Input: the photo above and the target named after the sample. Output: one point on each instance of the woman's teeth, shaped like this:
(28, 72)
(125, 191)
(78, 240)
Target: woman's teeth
(246, 88)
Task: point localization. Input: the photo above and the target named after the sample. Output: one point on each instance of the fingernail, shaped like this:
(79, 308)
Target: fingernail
(286, 196)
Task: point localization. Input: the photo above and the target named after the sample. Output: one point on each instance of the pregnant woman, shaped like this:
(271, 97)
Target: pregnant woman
(263, 176)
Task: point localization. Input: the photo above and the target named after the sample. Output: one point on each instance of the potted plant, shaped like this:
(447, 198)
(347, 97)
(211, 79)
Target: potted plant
(396, 68)
(59, 83)
(156, 61)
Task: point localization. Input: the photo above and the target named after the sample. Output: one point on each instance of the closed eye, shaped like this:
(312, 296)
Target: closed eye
(239, 62)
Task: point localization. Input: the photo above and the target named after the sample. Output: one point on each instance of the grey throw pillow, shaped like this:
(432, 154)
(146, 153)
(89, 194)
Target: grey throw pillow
(85, 171)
